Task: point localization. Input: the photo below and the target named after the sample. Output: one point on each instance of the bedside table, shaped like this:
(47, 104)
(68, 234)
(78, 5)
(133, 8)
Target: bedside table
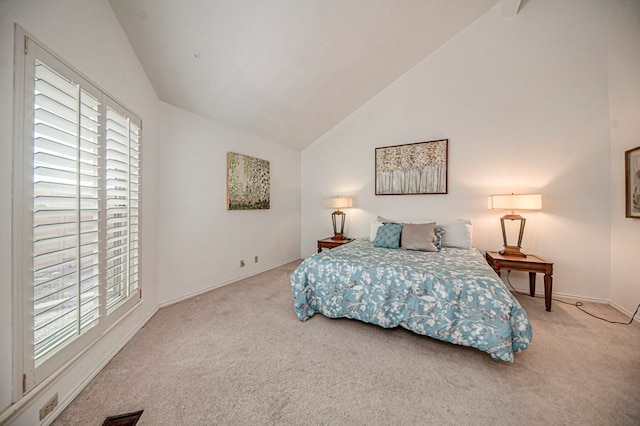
(531, 264)
(330, 243)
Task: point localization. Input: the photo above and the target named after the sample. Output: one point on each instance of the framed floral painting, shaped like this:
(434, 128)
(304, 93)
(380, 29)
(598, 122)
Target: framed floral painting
(632, 193)
(248, 182)
(415, 168)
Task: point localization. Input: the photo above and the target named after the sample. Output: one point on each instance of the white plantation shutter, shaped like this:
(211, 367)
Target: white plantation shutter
(122, 185)
(89, 210)
(65, 210)
(134, 212)
(80, 213)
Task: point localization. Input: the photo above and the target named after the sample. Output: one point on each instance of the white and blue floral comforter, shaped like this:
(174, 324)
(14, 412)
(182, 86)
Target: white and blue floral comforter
(453, 295)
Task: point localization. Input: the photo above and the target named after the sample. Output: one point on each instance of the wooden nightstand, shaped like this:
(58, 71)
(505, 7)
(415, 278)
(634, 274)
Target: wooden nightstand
(531, 264)
(330, 243)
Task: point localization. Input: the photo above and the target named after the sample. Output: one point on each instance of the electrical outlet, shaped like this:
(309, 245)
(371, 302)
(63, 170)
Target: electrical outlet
(242, 263)
(255, 259)
(49, 406)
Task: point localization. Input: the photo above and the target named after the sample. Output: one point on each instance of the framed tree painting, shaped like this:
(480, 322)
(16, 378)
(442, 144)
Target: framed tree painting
(632, 182)
(248, 182)
(415, 168)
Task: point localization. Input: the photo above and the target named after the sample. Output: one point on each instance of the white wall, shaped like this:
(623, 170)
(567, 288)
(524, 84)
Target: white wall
(88, 36)
(202, 243)
(624, 98)
(524, 104)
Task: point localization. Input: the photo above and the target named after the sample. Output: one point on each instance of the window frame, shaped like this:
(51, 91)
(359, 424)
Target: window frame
(27, 50)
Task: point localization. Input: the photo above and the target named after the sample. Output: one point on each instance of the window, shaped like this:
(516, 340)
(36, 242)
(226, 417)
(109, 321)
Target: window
(76, 212)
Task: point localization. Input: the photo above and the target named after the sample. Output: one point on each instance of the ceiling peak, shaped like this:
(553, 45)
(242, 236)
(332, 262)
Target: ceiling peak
(509, 8)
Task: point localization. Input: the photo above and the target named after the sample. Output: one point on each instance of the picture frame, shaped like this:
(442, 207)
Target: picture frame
(412, 169)
(248, 182)
(632, 183)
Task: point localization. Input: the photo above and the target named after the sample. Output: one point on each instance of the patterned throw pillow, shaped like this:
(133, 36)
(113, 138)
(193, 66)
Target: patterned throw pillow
(388, 235)
(439, 231)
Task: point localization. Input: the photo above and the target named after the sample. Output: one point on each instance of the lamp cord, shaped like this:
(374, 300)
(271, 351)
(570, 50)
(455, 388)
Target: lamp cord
(577, 304)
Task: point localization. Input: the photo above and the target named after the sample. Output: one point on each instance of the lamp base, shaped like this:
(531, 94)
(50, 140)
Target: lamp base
(334, 218)
(512, 251)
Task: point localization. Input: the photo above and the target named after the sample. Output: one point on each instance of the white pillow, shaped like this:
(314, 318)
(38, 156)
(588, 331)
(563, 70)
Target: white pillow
(375, 224)
(457, 234)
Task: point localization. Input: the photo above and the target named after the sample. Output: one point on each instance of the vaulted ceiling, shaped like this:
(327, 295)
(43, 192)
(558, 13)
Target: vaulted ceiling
(286, 70)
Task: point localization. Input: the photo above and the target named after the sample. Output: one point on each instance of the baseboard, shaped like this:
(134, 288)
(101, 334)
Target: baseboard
(571, 297)
(575, 298)
(224, 283)
(624, 311)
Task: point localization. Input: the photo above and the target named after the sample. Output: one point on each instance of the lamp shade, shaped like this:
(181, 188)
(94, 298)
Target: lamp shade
(516, 202)
(338, 202)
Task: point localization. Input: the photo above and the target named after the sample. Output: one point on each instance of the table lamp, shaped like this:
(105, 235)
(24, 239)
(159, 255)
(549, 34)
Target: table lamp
(338, 203)
(514, 202)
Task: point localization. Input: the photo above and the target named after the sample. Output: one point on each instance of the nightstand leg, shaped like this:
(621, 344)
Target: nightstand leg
(532, 284)
(548, 287)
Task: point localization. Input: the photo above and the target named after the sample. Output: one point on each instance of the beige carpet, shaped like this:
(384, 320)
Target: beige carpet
(238, 355)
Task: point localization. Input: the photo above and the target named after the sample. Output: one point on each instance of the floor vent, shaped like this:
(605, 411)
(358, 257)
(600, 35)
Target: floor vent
(129, 419)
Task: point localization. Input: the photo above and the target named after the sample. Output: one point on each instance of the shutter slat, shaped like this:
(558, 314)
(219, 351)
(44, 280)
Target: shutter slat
(56, 122)
(49, 145)
(43, 131)
(42, 348)
(115, 121)
(45, 218)
(41, 188)
(52, 245)
(55, 162)
(48, 174)
(117, 141)
(56, 108)
(46, 299)
(43, 321)
(57, 82)
(63, 98)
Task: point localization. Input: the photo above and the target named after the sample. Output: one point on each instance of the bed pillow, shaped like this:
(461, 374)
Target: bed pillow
(437, 240)
(373, 229)
(388, 235)
(418, 236)
(456, 234)
(375, 224)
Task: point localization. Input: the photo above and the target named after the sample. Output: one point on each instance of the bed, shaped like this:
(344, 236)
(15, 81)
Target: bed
(451, 295)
